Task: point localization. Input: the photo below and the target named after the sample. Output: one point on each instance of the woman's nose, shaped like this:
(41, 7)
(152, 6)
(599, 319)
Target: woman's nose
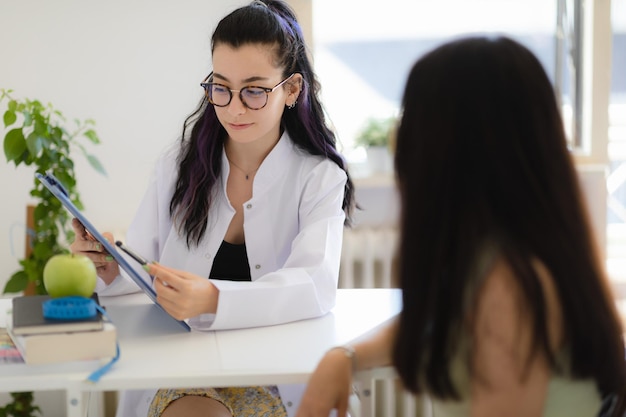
(236, 106)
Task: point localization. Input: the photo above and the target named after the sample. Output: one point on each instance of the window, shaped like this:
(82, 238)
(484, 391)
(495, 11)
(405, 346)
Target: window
(364, 50)
(616, 181)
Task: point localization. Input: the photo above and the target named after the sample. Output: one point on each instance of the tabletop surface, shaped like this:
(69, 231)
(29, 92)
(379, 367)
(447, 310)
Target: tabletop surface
(154, 348)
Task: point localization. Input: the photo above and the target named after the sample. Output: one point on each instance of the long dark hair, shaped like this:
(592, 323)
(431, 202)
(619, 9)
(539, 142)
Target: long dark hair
(267, 22)
(482, 158)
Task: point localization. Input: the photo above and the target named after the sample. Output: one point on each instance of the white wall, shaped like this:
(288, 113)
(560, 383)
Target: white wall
(132, 66)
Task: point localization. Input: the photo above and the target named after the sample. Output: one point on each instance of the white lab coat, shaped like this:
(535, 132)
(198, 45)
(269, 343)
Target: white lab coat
(293, 226)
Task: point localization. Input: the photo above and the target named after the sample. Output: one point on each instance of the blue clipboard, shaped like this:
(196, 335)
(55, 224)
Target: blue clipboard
(57, 189)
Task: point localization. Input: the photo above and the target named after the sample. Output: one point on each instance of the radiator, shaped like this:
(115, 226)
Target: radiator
(368, 260)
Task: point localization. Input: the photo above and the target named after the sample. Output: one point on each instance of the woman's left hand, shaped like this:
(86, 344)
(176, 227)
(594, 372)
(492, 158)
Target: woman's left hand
(181, 293)
(329, 387)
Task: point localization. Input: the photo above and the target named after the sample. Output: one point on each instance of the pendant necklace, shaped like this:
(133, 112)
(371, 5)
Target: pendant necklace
(247, 174)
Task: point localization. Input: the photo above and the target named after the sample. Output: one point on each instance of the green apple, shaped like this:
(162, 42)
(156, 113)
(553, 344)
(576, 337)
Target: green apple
(69, 274)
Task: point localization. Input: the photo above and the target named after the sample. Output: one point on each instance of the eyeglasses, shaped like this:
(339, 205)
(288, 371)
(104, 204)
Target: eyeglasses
(253, 97)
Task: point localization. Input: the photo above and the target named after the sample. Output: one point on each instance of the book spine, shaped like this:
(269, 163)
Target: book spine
(9, 353)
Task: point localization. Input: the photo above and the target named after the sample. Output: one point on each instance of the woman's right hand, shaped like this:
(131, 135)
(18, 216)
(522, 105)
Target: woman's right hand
(85, 244)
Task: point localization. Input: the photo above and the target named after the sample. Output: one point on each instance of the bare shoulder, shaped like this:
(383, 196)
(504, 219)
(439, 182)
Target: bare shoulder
(507, 378)
(503, 310)
(499, 311)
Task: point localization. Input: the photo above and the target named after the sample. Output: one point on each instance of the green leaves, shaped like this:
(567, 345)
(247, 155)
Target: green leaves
(40, 136)
(44, 137)
(35, 143)
(95, 164)
(14, 146)
(9, 118)
(17, 282)
(376, 132)
(20, 406)
(92, 136)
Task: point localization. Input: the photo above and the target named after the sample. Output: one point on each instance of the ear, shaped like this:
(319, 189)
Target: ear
(294, 88)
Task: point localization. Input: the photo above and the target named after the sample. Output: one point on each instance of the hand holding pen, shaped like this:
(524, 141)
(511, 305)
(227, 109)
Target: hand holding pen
(181, 293)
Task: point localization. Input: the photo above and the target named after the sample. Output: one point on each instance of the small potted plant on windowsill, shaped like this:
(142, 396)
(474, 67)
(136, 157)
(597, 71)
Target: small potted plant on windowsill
(377, 136)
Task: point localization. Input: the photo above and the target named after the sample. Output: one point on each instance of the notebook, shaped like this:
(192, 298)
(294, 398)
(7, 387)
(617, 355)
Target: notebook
(57, 189)
(45, 348)
(28, 318)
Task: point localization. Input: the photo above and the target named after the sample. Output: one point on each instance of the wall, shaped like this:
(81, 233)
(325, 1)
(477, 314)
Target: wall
(132, 66)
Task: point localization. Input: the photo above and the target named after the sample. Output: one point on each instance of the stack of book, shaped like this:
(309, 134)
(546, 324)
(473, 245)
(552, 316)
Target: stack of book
(41, 340)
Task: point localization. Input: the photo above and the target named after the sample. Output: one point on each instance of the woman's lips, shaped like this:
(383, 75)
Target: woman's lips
(239, 126)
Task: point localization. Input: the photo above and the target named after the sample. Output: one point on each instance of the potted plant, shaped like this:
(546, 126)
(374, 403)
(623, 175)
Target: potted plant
(21, 406)
(377, 136)
(39, 135)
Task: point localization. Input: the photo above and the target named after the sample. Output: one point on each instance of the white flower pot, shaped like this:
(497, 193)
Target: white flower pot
(379, 159)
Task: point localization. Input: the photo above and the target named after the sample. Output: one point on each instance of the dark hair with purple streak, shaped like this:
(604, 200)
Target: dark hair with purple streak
(267, 22)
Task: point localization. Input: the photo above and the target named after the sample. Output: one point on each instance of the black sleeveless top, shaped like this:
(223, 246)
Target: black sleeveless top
(231, 263)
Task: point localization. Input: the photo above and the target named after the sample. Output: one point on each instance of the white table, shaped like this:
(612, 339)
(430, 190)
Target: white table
(155, 352)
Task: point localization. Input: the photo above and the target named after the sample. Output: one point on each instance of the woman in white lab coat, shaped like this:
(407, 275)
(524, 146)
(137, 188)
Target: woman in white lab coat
(254, 198)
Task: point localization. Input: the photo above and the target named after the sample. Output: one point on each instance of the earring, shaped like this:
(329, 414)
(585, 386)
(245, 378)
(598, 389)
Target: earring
(292, 105)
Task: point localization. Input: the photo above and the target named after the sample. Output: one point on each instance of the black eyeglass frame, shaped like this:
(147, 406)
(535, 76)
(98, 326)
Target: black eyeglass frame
(207, 85)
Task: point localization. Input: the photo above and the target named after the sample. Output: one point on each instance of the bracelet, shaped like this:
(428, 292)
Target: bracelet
(349, 352)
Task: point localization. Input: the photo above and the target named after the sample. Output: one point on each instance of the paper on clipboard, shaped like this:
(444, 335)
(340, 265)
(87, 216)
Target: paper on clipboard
(57, 189)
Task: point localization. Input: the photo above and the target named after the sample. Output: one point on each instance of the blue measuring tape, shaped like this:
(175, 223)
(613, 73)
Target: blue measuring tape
(69, 308)
(79, 308)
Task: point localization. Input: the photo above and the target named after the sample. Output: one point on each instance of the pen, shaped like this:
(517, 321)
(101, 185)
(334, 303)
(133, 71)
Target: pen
(132, 254)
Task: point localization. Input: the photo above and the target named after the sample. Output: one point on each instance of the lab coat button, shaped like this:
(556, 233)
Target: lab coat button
(257, 266)
(248, 206)
(289, 404)
(207, 255)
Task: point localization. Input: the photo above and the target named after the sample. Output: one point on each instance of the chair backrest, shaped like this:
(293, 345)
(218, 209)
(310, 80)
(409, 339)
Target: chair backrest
(392, 400)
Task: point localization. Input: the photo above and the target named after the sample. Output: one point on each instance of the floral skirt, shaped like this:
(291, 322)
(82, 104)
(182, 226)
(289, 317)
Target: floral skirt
(240, 401)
